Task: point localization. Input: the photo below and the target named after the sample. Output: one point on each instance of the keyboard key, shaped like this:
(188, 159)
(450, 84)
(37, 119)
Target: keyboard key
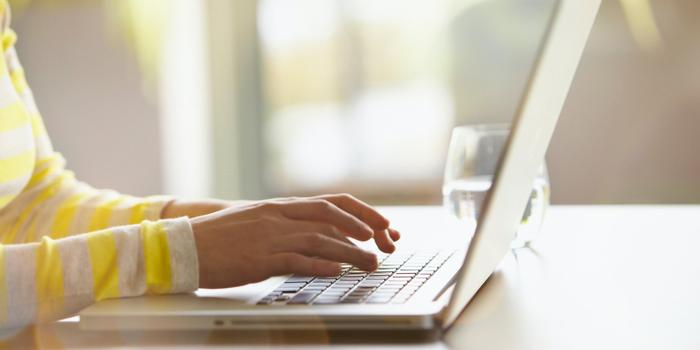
(381, 274)
(326, 301)
(370, 283)
(319, 284)
(337, 291)
(404, 274)
(343, 285)
(303, 298)
(314, 289)
(293, 284)
(346, 282)
(304, 279)
(356, 295)
(335, 288)
(283, 297)
(324, 280)
(341, 288)
(334, 293)
(399, 279)
(351, 301)
(376, 278)
(361, 275)
(379, 300)
(350, 279)
(383, 294)
(409, 269)
(397, 284)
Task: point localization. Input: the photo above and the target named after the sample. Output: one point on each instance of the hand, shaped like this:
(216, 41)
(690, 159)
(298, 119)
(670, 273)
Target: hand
(252, 241)
(194, 208)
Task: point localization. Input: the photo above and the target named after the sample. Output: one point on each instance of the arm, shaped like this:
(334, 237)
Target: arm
(44, 276)
(58, 257)
(54, 204)
(51, 279)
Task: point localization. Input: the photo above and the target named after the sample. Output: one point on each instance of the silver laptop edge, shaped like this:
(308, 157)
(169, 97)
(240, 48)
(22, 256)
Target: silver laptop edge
(534, 124)
(437, 303)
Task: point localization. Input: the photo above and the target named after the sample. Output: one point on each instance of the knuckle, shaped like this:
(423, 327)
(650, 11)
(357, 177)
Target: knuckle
(316, 265)
(291, 260)
(314, 241)
(323, 204)
(328, 229)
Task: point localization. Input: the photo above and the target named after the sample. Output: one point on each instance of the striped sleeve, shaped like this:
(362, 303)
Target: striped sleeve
(64, 244)
(51, 279)
(55, 204)
(51, 202)
(17, 149)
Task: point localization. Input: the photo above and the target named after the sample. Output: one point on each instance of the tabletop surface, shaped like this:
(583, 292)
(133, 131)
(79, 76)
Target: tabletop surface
(596, 277)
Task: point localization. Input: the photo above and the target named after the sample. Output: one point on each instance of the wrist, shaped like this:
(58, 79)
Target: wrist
(192, 208)
(198, 225)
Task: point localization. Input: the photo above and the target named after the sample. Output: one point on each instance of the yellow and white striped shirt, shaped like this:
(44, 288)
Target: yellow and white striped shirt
(63, 244)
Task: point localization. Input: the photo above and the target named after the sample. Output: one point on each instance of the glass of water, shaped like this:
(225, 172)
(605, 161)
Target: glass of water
(474, 154)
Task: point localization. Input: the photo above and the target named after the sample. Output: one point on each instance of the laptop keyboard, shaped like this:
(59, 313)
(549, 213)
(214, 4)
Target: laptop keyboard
(397, 278)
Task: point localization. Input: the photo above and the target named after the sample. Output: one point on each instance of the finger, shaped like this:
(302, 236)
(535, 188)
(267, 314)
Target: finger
(384, 242)
(394, 234)
(319, 245)
(286, 263)
(325, 211)
(359, 209)
(297, 226)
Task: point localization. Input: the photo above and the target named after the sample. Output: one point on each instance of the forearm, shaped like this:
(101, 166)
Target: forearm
(52, 279)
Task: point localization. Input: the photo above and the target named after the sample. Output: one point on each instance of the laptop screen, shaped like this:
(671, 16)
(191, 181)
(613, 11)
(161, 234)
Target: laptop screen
(495, 44)
(509, 181)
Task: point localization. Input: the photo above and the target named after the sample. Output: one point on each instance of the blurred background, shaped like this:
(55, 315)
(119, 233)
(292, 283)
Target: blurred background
(254, 99)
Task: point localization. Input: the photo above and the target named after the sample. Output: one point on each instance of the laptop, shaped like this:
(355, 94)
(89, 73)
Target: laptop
(411, 290)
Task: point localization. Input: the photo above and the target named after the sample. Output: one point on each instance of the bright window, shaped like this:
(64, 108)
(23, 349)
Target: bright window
(361, 95)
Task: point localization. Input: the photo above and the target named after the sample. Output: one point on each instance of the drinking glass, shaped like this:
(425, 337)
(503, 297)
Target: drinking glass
(474, 154)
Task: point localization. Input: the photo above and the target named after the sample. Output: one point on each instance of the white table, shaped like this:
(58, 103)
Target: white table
(598, 277)
(614, 277)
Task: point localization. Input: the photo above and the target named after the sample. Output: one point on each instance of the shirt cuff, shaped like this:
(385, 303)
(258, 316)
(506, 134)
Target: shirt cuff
(184, 264)
(154, 209)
